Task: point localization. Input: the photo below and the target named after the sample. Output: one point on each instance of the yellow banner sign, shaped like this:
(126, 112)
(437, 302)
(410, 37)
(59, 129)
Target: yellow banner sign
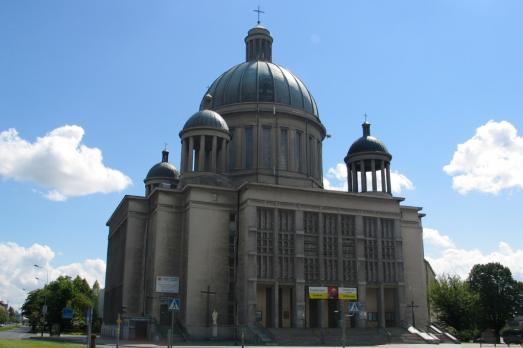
(348, 294)
(318, 293)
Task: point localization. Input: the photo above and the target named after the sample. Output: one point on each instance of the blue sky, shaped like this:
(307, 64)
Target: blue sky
(127, 74)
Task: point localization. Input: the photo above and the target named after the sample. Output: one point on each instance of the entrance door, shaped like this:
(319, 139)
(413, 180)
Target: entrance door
(314, 313)
(140, 330)
(334, 315)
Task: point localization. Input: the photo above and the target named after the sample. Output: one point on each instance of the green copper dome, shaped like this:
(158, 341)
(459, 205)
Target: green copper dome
(260, 81)
(163, 169)
(206, 119)
(367, 143)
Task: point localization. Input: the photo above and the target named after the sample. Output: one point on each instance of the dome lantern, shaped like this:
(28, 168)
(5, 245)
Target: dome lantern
(258, 44)
(368, 155)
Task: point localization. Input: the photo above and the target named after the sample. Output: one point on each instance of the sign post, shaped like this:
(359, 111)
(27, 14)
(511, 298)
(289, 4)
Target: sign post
(173, 306)
(118, 322)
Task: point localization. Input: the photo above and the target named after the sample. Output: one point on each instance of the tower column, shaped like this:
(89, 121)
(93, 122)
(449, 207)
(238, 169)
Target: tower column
(214, 153)
(383, 183)
(354, 178)
(388, 177)
(184, 156)
(201, 154)
(374, 181)
(349, 176)
(190, 164)
(363, 176)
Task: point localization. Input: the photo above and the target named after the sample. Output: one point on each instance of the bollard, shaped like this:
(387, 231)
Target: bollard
(93, 341)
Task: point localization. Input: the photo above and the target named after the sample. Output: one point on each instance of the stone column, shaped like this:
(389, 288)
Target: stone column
(299, 272)
(275, 272)
(354, 177)
(360, 268)
(224, 155)
(214, 153)
(388, 178)
(374, 181)
(383, 182)
(363, 176)
(291, 165)
(201, 154)
(183, 165)
(190, 164)
(381, 275)
(381, 307)
(349, 176)
(276, 305)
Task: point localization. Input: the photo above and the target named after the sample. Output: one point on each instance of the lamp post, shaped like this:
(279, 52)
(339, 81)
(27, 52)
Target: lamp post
(44, 309)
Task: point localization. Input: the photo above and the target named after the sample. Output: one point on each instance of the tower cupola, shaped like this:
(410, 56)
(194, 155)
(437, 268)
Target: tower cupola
(368, 156)
(258, 44)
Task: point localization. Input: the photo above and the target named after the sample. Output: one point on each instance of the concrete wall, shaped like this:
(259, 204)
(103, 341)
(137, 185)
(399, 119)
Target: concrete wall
(414, 267)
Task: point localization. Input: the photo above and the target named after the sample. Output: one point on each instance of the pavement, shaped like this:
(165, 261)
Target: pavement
(21, 333)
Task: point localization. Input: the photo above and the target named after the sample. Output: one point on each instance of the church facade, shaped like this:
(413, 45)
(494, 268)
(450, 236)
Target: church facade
(245, 235)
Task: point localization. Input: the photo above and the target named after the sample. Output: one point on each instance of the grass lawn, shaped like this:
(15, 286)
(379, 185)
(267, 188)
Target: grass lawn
(36, 344)
(7, 328)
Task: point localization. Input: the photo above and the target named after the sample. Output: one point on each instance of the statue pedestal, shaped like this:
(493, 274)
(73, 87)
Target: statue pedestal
(214, 330)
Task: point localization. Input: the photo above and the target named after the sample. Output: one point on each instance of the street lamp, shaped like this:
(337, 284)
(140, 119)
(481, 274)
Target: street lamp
(44, 309)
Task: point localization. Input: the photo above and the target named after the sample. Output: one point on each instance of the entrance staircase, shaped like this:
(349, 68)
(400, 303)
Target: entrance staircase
(330, 337)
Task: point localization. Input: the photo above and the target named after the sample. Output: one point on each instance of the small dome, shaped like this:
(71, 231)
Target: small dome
(206, 119)
(164, 169)
(367, 143)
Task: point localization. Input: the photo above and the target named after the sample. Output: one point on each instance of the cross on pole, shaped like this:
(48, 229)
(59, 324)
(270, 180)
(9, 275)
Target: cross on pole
(208, 292)
(258, 11)
(412, 306)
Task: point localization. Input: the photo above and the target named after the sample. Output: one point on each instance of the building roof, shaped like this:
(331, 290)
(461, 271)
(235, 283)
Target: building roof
(367, 143)
(261, 81)
(163, 169)
(206, 119)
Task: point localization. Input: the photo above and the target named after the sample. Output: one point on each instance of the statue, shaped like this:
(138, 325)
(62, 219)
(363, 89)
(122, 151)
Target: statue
(214, 323)
(214, 317)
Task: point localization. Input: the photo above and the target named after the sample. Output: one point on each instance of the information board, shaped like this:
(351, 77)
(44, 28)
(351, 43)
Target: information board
(348, 294)
(167, 284)
(318, 293)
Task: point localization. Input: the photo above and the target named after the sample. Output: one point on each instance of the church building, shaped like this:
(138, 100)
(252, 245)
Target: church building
(244, 235)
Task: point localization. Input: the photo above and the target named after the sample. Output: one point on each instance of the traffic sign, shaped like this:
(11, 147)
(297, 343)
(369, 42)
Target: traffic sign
(175, 304)
(67, 313)
(354, 307)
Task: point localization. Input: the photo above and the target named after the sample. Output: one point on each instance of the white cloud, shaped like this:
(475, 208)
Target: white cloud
(59, 163)
(490, 161)
(338, 174)
(458, 261)
(17, 271)
(433, 237)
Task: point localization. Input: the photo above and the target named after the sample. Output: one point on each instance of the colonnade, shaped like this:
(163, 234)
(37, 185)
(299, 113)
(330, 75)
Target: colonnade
(204, 153)
(362, 166)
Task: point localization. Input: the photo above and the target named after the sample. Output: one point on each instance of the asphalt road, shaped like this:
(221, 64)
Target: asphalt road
(16, 334)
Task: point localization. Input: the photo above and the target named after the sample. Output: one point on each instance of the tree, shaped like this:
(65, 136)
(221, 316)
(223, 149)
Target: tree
(61, 293)
(32, 308)
(497, 293)
(454, 303)
(4, 316)
(12, 314)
